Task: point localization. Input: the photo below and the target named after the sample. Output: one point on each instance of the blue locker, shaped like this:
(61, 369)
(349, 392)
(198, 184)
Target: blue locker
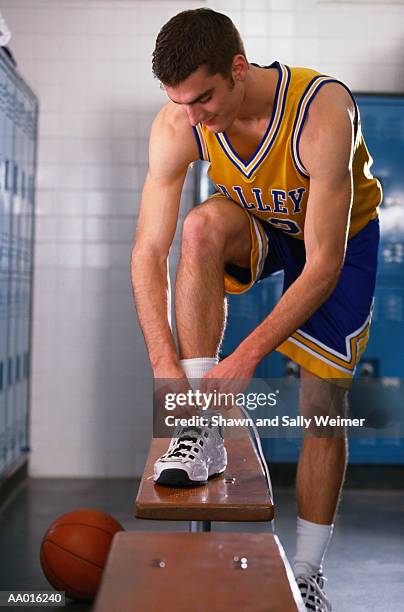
(18, 121)
(8, 257)
(3, 273)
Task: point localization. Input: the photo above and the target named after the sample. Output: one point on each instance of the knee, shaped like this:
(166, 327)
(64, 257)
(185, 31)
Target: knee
(202, 234)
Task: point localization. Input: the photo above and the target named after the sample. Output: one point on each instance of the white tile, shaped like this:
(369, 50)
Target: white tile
(70, 255)
(70, 229)
(46, 255)
(49, 73)
(124, 48)
(123, 177)
(255, 24)
(50, 98)
(399, 79)
(69, 282)
(47, 48)
(280, 24)
(48, 177)
(49, 125)
(44, 331)
(124, 125)
(71, 151)
(120, 255)
(45, 203)
(152, 20)
(69, 203)
(75, 72)
(307, 52)
(256, 49)
(283, 50)
(126, 151)
(24, 46)
(126, 19)
(97, 229)
(45, 229)
(95, 282)
(98, 50)
(97, 177)
(97, 151)
(72, 177)
(96, 255)
(49, 20)
(331, 51)
(70, 463)
(74, 46)
(48, 151)
(120, 463)
(257, 5)
(383, 77)
(122, 230)
(308, 25)
(97, 202)
(288, 5)
(22, 20)
(100, 20)
(76, 19)
(72, 123)
(45, 282)
(118, 282)
(228, 5)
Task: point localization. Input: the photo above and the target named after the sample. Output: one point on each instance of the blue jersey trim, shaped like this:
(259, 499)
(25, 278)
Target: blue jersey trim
(198, 142)
(242, 164)
(308, 103)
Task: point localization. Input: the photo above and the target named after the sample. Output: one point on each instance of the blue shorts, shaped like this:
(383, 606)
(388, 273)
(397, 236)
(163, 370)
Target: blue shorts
(333, 339)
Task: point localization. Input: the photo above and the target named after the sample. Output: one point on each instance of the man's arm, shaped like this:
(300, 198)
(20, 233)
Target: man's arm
(326, 151)
(172, 148)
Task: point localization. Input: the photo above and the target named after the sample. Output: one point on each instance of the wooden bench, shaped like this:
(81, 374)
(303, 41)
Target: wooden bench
(240, 494)
(197, 572)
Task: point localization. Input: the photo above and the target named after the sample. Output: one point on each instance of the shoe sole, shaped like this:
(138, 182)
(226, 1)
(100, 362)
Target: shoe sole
(180, 479)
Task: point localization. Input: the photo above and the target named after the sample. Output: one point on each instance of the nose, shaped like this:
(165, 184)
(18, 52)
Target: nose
(193, 115)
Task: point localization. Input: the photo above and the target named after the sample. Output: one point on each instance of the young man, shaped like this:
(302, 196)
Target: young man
(294, 192)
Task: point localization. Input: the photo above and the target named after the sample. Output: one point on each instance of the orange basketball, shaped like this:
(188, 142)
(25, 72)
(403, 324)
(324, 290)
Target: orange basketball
(74, 551)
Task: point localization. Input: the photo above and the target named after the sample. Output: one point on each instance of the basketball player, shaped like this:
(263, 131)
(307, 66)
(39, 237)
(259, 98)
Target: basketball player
(294, 193)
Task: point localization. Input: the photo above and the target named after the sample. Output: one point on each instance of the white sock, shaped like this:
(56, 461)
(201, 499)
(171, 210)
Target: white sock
(311, 545)
(195, 369)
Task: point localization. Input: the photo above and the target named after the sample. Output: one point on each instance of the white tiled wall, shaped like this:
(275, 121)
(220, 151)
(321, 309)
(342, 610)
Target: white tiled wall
(89, 63)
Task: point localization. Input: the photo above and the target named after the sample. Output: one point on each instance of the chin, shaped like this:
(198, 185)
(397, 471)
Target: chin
(214, 128)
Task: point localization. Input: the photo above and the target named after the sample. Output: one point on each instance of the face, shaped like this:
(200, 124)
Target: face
(209, 99)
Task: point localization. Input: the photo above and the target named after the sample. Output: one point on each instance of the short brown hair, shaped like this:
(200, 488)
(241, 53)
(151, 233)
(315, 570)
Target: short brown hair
(194, 38)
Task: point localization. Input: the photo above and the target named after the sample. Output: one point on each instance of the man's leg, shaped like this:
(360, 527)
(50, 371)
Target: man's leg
(323, 458)
(320, 477)
(214, 233)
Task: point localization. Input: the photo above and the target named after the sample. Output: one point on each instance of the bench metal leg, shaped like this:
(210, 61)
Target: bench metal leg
(199, 526)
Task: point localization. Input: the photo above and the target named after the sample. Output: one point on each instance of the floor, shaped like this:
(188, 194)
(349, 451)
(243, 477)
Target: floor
(364, 565)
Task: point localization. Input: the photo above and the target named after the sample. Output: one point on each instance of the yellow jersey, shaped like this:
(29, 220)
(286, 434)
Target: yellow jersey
(273, 184)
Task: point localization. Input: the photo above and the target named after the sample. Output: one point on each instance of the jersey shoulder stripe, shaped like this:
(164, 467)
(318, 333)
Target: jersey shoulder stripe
(201, 142)
(304, 104)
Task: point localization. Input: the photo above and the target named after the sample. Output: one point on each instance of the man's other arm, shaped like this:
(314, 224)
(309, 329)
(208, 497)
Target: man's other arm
(172, 148)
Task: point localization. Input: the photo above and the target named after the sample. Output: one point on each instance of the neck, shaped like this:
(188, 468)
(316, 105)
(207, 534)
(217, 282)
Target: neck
(259, 93)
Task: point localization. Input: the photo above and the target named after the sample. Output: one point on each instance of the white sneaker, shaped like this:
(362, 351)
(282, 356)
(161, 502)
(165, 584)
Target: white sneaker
(311, 589)
(194, 455)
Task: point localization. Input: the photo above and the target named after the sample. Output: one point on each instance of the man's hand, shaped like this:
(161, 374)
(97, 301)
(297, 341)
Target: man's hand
(232, 375)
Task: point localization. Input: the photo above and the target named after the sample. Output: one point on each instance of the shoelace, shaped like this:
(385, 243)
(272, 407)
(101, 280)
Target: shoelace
(187, 444)
(311, 588)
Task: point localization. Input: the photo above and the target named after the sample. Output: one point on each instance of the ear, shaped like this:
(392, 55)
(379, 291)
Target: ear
(239, 67)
